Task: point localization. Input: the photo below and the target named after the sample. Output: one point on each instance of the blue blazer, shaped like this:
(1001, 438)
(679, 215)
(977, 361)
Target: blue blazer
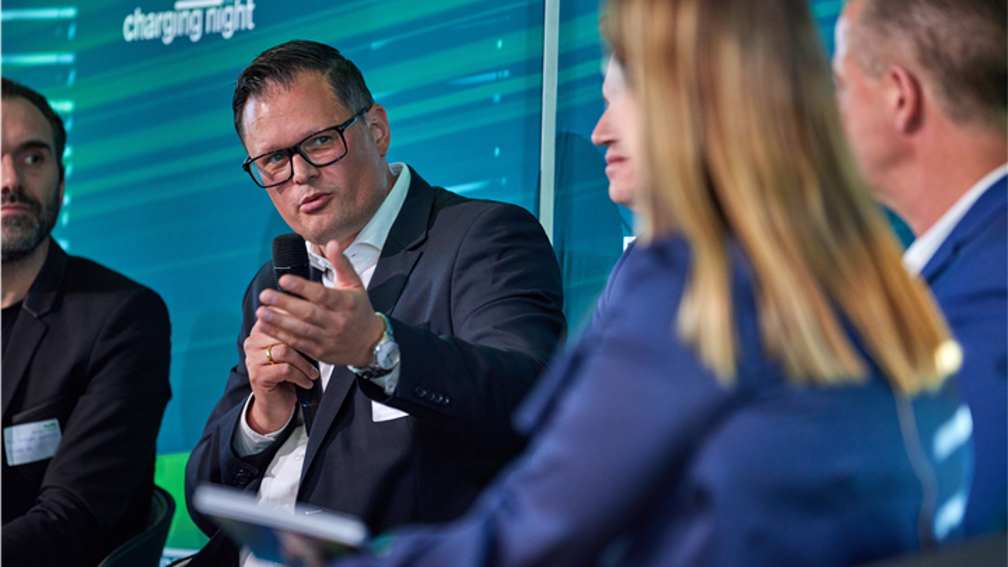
(968, 276)
(639, 457)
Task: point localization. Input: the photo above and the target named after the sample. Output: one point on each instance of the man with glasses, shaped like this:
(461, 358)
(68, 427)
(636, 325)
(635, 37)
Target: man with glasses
(429, 315)
(85, 367)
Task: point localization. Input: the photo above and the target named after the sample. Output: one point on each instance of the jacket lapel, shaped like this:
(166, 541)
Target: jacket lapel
(30, 327)
(398, 257)
(402, 248)
(990, 204)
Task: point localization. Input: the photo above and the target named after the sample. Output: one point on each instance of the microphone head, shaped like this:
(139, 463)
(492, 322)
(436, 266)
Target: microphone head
(290, 256)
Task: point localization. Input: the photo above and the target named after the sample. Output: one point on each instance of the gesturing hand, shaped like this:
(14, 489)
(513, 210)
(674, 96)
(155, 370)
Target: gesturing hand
(337, 326)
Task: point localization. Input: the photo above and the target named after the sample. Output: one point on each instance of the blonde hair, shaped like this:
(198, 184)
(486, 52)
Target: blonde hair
(743, 142)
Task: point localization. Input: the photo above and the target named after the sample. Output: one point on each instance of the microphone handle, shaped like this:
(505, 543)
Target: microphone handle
(309, 403)
(300, 271)
(307, 399)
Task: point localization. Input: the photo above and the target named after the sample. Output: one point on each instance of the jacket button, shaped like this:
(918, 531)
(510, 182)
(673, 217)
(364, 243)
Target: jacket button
(241, 478)
(421, 392)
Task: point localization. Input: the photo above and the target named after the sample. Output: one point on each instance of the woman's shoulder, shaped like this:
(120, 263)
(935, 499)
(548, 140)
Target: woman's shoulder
(655, 263)
(645, 294)
(657, 272)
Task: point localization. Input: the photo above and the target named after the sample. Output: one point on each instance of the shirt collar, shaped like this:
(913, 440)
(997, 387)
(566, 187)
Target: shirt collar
(376, 231)
(924, 247)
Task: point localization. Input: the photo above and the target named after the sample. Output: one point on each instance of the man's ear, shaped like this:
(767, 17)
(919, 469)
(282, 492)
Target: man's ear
(904, 98)
(378, 125)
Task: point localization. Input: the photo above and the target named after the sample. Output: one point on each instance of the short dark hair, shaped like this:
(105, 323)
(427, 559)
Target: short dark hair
(958, 44)
(281, 65)
(14, 89)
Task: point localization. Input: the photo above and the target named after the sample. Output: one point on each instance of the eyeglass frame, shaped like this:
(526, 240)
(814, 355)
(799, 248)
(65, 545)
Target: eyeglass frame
(296, 148)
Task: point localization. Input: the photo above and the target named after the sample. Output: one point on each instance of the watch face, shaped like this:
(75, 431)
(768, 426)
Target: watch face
(387, 355)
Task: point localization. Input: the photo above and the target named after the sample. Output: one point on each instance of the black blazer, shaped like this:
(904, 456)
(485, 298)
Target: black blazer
(474, 293)
(91, 349)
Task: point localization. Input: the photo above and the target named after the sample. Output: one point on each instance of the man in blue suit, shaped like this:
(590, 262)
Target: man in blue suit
(921, 86)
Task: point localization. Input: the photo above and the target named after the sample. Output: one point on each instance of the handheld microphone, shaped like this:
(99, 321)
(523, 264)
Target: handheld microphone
(290, 256)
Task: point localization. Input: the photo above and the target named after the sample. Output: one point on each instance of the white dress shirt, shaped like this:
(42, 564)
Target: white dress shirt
(924, 247)
(282, 478)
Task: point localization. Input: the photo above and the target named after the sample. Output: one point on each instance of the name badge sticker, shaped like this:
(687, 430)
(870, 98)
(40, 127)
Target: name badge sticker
(30, 442)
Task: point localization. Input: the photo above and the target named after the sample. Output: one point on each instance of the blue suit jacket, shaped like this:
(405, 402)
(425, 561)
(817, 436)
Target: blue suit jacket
(640, 457)
(968, 276)
(605, 297)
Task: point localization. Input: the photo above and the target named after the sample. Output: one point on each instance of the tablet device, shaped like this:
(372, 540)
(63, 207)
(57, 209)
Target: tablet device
(278, 535)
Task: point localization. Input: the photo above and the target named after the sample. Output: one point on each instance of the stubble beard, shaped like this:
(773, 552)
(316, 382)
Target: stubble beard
(22, 234)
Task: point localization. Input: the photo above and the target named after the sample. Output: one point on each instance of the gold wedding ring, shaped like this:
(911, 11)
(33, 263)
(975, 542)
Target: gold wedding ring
(269, 354)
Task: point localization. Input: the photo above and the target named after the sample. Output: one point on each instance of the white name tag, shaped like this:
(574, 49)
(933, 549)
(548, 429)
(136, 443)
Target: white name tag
(382, 412)
(30, 442)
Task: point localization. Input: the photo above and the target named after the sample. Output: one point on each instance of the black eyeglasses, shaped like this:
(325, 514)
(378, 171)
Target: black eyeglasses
(320, 149)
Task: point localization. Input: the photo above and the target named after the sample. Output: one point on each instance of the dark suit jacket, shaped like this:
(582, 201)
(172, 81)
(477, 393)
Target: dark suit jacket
(474, 294)
(91, 349)
(639, 457)
(968, 276)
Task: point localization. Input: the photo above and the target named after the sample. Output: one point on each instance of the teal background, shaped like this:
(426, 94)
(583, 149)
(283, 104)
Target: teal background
(154, 185)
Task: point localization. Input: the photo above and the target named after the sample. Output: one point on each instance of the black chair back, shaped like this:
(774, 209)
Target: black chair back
(145, 549)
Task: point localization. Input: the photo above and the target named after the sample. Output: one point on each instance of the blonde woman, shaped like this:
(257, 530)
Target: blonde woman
(768, 386)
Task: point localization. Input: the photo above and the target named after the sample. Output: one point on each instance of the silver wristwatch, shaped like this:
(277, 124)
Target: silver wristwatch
(386, 355)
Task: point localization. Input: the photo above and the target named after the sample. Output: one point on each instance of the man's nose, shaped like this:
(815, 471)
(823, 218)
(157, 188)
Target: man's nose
(11, 177)
(303, 171)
